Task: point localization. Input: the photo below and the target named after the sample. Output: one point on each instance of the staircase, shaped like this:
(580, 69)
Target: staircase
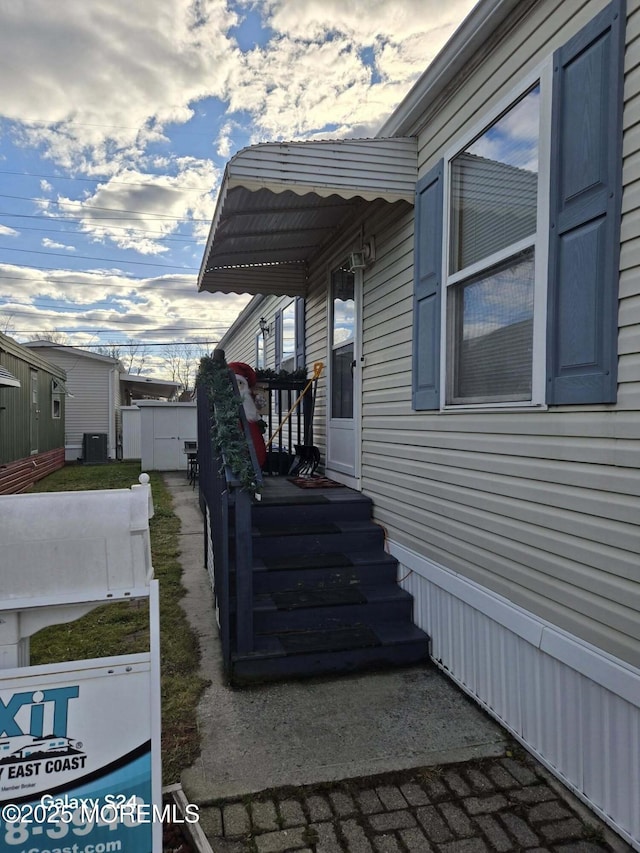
(325, 594)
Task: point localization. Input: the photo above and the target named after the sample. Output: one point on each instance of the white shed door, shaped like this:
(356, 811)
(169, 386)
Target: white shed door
(172, 427)
(167, 449)
(165, 428)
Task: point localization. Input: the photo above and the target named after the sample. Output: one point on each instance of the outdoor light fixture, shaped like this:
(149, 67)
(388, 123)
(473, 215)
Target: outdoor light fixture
(264, 326)
(361, 259)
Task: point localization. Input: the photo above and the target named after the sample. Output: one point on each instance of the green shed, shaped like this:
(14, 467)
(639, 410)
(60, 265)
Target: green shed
(32, 407)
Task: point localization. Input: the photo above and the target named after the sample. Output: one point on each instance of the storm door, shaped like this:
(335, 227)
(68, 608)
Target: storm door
(343, 400)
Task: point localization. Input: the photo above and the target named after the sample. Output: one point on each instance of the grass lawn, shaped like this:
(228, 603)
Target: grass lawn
(122, 627)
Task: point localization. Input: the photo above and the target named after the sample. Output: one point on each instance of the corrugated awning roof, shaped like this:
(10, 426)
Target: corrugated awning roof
(279, 203)
(8, 380)
(149, 385)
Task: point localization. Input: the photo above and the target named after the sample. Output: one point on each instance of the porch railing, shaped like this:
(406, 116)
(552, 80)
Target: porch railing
(228, 479)
(281, 395)
(226, 494)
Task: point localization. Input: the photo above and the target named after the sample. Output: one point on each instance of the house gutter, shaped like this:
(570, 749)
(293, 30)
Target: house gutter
(114, 376)
(467, 47)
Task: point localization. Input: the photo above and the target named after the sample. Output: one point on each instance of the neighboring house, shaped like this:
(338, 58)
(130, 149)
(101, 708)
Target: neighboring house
(97, 387)
(93, 404)
(32, 417)
(471, 279)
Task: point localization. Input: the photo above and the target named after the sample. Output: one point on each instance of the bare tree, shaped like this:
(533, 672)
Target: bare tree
(60, 338)
(6, 325)
(181, 362)
(108, 350)
(132, 355)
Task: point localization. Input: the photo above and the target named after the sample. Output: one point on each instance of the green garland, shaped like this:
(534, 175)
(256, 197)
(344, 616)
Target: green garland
(297, 375)
(226, 432)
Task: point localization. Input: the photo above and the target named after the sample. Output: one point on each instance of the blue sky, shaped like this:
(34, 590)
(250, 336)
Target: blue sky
(117, 119)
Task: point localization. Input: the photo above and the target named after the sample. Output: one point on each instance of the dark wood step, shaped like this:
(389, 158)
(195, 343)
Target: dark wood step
(346, 505)
(325, 570)
(314, 539)
(330, 608)
(359, 648)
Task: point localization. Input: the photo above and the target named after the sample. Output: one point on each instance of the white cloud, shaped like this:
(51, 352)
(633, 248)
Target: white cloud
(225, 146)
(364, 20)
(109, 76)
(96, 90)
(109, 70)
(151, 309)
(52, 244)
(121, 209)
(313, 72)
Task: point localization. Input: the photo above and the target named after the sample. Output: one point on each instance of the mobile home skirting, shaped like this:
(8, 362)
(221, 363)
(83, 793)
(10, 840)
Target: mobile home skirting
(574, 707)
(20, 475)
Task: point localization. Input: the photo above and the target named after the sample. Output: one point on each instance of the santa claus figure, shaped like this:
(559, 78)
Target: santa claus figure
(246, 379)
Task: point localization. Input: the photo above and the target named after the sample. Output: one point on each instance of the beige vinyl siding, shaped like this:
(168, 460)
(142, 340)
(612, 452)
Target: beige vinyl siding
(89, 383)
(92, 408)
(542, 507)
(380, 218)
(240, 344)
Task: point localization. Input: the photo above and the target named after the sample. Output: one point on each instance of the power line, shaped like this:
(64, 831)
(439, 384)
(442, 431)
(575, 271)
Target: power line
(96, 258)
(97, 207)
(93, 331)
(107, 179)
(118, 344)
(50, 218)
(75, 123)
(63, 306)
(62, 315)
(86, 272)
(163, 237)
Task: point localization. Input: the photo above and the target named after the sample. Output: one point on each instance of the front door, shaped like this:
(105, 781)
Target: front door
(34, 414)
(343, 401)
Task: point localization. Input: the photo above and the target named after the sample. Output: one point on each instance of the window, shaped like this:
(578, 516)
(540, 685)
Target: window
(493, 215)
(288, 337)
(289, 333)
(342, 342)
(56, 399)
(261, 362)
(517, 241)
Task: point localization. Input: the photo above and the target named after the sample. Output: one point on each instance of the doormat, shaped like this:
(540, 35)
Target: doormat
(314, 483)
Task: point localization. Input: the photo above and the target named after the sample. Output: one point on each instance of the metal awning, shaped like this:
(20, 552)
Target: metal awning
(279, 203)
(137, 384)
(8, 380)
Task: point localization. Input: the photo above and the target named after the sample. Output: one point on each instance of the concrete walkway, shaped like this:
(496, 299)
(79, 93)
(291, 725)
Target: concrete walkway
(339, 764)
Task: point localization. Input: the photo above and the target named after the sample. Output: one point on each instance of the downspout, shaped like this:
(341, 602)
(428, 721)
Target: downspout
(113, 373)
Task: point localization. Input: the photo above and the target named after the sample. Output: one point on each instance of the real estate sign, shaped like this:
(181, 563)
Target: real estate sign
(80, 740)
(79, 756)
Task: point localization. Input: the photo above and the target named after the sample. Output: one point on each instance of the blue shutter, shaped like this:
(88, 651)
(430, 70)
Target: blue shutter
(277, 334)
(427, 287)
(300, 346)
(586, 190)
